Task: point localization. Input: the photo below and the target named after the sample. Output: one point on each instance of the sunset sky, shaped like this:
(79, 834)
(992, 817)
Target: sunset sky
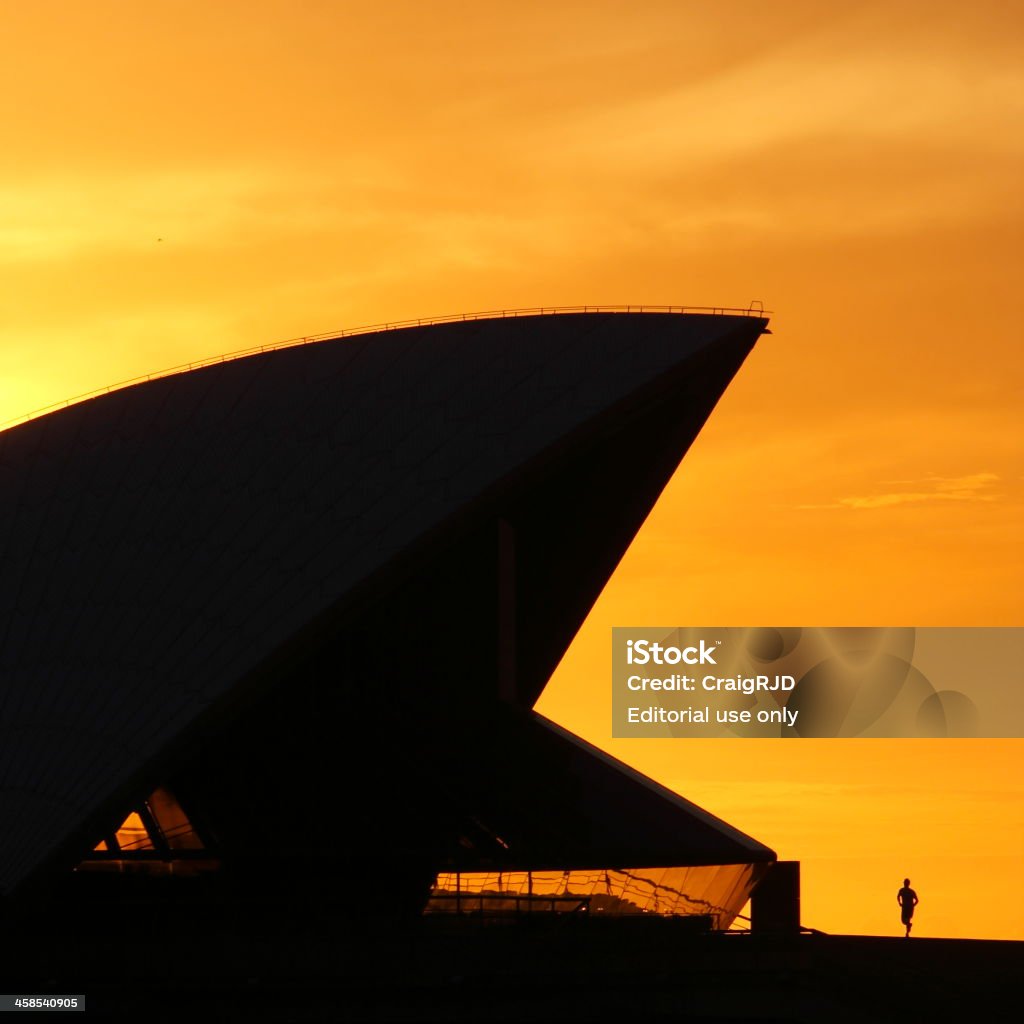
(179, 180)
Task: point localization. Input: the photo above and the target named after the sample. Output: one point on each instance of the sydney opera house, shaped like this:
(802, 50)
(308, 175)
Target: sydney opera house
(272, 630)
(273, 627)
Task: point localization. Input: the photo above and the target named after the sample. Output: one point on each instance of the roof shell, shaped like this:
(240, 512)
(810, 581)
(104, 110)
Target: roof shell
(159, 542)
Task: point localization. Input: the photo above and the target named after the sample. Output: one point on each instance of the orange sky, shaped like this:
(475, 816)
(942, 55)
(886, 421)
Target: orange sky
(316, 165)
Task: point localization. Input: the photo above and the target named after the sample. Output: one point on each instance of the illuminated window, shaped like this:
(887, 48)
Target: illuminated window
(155, 838)
(714, 894)
(132, 834)
(169, 818)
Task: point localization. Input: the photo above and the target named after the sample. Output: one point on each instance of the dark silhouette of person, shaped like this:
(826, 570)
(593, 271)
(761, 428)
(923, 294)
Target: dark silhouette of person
(907, 899)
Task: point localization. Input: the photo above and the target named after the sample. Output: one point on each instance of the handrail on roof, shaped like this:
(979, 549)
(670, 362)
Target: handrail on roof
(756, 308)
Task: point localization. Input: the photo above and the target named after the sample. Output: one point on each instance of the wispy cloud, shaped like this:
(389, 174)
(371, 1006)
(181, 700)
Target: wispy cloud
(927, 490)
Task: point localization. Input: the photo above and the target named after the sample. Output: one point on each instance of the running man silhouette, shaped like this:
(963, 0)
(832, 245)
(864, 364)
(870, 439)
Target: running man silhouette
(907, 899)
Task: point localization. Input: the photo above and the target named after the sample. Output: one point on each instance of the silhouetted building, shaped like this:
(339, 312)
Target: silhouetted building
(275, 626)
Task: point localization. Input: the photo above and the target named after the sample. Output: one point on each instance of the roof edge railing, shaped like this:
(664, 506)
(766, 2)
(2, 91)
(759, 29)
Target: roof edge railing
(755, 309)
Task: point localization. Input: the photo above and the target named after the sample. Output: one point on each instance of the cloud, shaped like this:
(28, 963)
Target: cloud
(929, 490)
(78, 216)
